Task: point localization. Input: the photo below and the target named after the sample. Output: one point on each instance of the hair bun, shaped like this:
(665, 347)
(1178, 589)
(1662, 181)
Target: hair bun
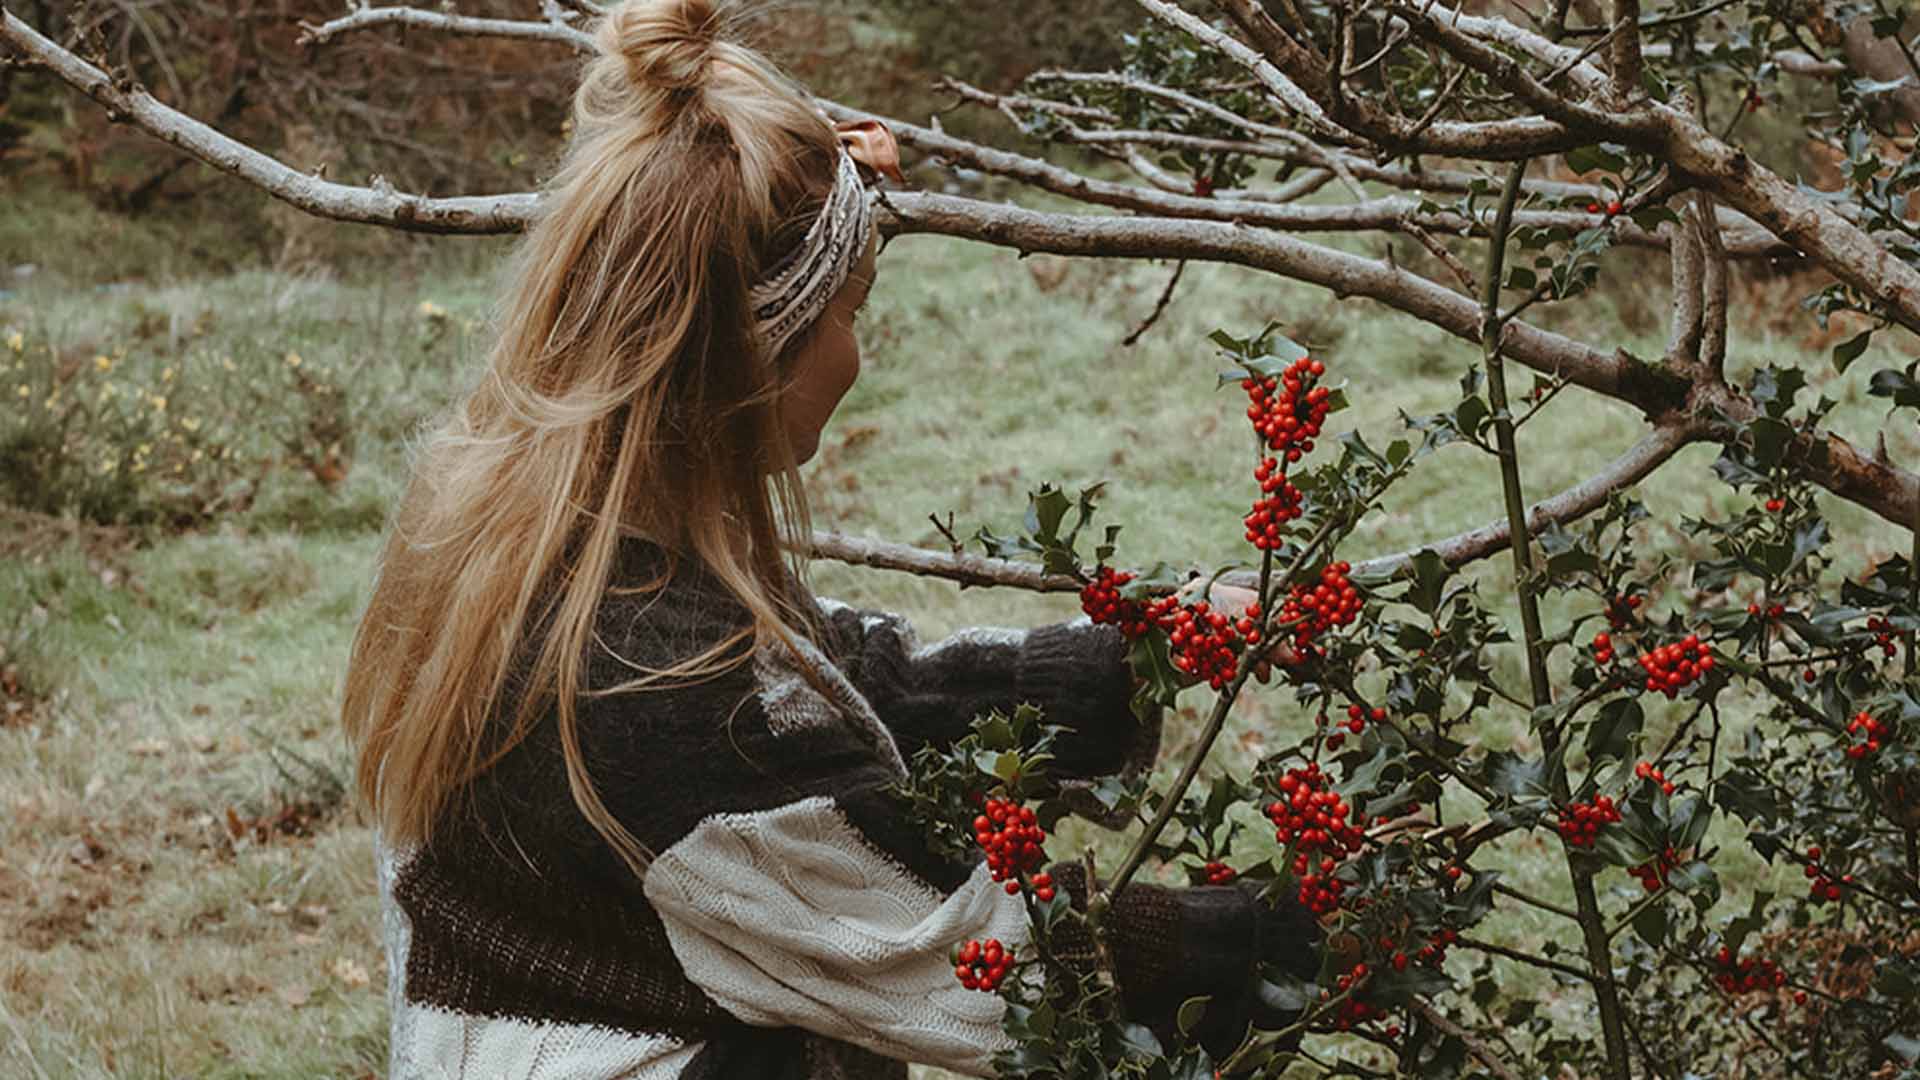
(667, 44)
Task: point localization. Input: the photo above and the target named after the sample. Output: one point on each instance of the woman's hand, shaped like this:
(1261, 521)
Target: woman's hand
(1233, 601)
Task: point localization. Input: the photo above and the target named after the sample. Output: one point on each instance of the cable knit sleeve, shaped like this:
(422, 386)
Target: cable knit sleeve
(1076, 673)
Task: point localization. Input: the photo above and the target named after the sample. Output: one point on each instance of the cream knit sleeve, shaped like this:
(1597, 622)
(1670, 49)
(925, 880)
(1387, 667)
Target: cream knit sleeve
(788, 916)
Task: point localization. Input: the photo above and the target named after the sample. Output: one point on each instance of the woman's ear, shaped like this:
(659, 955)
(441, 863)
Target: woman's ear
(872, 145)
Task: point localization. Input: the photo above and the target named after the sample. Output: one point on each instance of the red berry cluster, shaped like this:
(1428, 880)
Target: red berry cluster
(1603, 648)
(1774, 506)
(1358, 715)
(1434, 952)
(1646, 771)
(1219, 873)
(1101, 600)
(1882, 634)
(1315, 821)
(1012, 839)
(1287, 412)
(1824, 887)
(1311, 610)
(1204, 641)
(1581, 821)
(1353, 1012)
(1672, 666)
(1869, 729)
(1278, 504)
(1747, 975)
(981, 965)
(1612, 208)
(1653, 873)
(1773, 611)
(1620, 611)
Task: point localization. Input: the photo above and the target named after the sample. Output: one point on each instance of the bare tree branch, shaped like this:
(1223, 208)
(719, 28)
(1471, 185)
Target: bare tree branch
(1830, 460)
(1630, 468)
(376, 204)
(466, 25)
(1624, 52)
(1306, 72)
(1713, 287)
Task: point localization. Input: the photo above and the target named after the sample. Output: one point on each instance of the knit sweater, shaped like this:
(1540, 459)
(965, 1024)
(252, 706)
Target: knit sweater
(792, 923)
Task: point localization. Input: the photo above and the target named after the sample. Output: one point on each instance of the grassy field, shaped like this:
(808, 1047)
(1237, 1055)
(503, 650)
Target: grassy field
(185, 891)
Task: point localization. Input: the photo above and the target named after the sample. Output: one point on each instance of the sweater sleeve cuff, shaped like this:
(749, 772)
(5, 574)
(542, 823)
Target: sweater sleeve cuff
(1078, 674)
(1170, 945)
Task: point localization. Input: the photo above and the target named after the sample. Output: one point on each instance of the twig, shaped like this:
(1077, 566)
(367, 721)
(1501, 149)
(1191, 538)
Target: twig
(1166, 296)
(1523, 958)
(1544, 905)
(1475, 1046)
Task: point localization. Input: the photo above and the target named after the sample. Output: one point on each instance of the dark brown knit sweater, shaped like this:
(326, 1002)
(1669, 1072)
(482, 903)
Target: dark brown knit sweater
(792, 923)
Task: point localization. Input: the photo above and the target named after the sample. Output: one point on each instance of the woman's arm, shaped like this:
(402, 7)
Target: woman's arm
(1076, 674)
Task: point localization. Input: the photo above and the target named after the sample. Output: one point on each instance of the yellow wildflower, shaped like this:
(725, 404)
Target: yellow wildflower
(190, 423)
(107, 465)
(159, 402)
(143, 450)
(166, 374)
(431, 310)
(16, 341)
(25, 390)
(293, 359)
(103, 363)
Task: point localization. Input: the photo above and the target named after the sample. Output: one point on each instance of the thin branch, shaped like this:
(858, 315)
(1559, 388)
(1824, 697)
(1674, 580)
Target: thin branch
(1279, 85)
(1713, 287)
(1526, 958)
(1625, 52)
(464, 25)
(1160, 306)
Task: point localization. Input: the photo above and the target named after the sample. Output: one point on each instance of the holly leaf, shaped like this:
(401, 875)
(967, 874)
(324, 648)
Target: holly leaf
(1612, 732)
(1650, 925)
(1845, 353)
(1515, 776)
(1898, 385)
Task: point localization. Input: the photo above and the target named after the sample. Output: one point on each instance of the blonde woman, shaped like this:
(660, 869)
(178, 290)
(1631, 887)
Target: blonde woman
(630, 779)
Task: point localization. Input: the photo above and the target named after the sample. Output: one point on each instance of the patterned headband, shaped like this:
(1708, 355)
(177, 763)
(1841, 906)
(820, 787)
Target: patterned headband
(797, 290)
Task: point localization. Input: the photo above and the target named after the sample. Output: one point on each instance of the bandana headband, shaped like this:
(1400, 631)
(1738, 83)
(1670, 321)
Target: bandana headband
(797, 291)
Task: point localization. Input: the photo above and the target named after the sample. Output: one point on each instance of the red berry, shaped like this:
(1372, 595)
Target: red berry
(1613, 208)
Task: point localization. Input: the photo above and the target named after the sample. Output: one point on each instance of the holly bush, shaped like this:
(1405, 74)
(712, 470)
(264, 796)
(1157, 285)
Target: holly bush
(1773, 706)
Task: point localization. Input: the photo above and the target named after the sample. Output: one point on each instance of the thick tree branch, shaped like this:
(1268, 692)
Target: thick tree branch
(1833, 462)
(377, 204)
(1387, 214)
(1804, 221)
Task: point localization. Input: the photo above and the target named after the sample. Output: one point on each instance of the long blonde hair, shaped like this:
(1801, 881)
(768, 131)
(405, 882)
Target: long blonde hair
(627, 392)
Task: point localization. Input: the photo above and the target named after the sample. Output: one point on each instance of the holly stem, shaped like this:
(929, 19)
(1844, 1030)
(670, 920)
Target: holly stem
(1520, 957)
(1492, 328)
(1633, 912)
(1528, 898)
(1216, 720)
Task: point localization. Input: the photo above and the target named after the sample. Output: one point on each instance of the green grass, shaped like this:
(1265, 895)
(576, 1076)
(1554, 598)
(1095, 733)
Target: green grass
(181, 678)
